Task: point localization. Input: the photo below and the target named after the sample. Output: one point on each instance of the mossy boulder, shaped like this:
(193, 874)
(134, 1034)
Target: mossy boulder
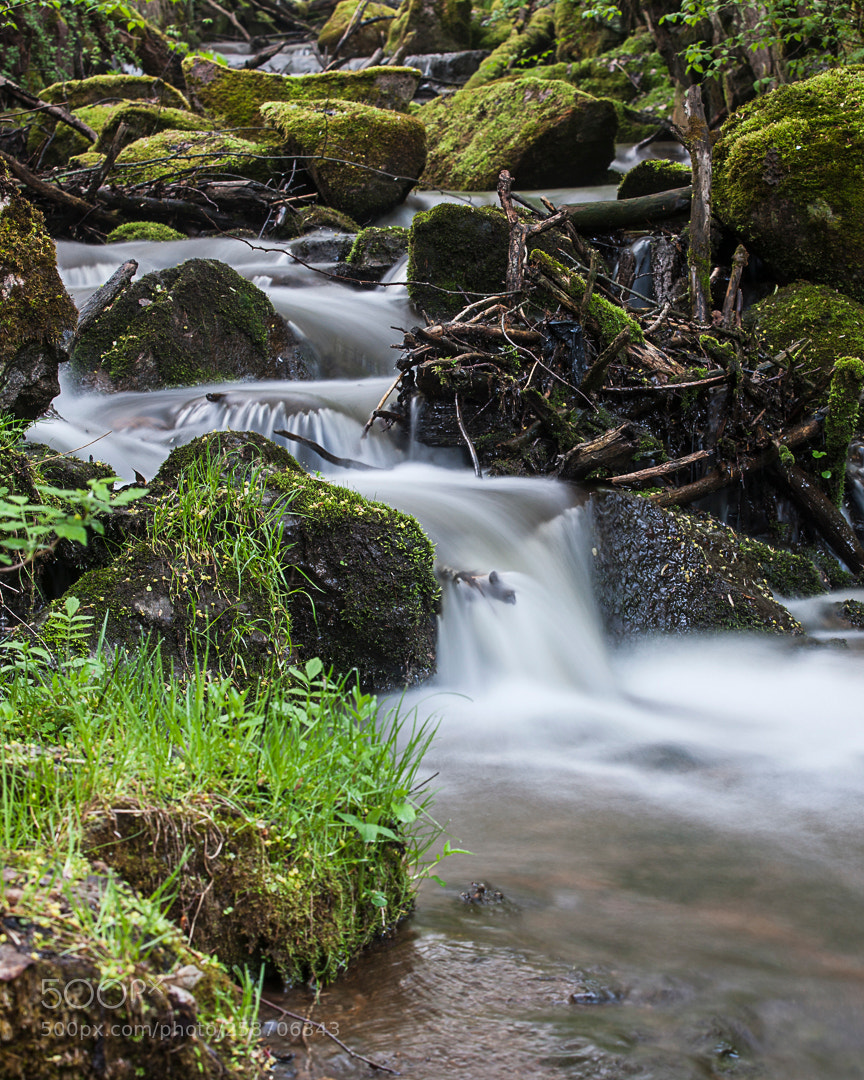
(53, 143)
(651, 176)
(170, 154)
(576, 36)
(235, 96)
(457, 253)
(142, 119)
(197, 322)
(363, 595)
(431, 26)
(364, 40)
(671, 572)
(105, 89)
(363, 161)
(60, 920)
(547, 134)
(789, 179)
(35, 310)
(532, 42)
(377, 249)
(831, 324)
(143, 230)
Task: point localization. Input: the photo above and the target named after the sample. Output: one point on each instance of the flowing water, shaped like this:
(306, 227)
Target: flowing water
(676, 828)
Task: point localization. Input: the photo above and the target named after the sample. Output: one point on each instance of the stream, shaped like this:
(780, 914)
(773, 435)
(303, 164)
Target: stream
(675, 826)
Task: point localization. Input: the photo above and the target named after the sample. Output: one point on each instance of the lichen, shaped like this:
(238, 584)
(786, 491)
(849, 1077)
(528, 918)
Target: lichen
(363, 160)
(544, 131)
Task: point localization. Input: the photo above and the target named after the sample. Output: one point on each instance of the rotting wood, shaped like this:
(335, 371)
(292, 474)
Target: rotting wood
(106, 294)
(607, 216)
(699, 253)
(607, 451)
(731, 315)
(56, 195)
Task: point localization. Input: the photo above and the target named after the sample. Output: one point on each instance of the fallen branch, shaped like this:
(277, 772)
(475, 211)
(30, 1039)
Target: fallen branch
(730, 308)
(57, 194)
(342, 462)
(59, 113)
(520, 232)
(666, 469)
(474, 459)
(607, 216)
(699, 253)
(593, 379)
(380, 405)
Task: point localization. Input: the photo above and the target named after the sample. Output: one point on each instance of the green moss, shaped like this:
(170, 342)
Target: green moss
(788, 178)
(577, 37)
(173, 153)
(88, 160)
(142, 119)
(544, 132)
(652, 176)
(520, 49)
(235, 96)
(35, 308)
(457, 252)
(102, 88)
(789, 573)
(143, 230)
(429, 26)
(363, 41)
(831, 324)
(362, 160)
(841, 420)
(379, 246)
(187, 306)
(609, 318)
(65, 141)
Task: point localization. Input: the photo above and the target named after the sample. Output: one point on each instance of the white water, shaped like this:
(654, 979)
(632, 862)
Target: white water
(682, 819)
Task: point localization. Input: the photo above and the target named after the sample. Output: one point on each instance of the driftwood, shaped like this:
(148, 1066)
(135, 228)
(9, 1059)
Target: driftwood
(106, 294)
(668, 468)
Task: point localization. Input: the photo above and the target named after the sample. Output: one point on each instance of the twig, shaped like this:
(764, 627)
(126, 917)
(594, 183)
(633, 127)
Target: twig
(66, 453)
(56, 111)
(666, 469)
(57, 194)
(380, 404)
(594, 375)
(344, 463)
(474, 459)
(231, 17)
(323, 1029)
(739, 261)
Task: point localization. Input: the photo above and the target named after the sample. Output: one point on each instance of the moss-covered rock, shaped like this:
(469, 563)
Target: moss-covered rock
(143, 230)
(577, 37)
(170, 154)
(364, 40)
(545, 132)
(841, 421)
(457, 252)
(378, 247)
(35, 310)
(831, 324)
(521, 49)
(652, 176)
(788, 178)
(197, 322)
(104, 89)
(61, 920)
(431, 26)
(235, 96)
(142, 119)
(53, 143)
(362, 592)
(362, 160)
(672, 572)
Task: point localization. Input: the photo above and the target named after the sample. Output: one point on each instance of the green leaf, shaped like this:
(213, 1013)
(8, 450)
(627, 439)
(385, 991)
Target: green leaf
(404, 812)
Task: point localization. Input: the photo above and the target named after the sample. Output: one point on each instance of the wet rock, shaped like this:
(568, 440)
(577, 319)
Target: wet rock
(153, 231)
(380, 152)
(375, 251)
(431, 26)
(787, 179)
(35, 310)
(142, 119)
(235, 96)
(671, 572)
(448, 67)
(545, 132)
(197, 322)
(478, 892)
(362, 592)
(577, 36)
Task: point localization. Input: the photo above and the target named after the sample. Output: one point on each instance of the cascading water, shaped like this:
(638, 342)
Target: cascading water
(676, 828)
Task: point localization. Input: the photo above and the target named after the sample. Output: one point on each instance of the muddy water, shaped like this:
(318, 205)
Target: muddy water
(676, 829)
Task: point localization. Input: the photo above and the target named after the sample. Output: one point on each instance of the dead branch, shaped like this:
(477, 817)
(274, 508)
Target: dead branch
(593, 379)
(731, 316)
(474, 459)
(520, 231)
(666, 469)
(699, 254)
(342, 462)
(59, 113)
(380, 405)
(57, 195)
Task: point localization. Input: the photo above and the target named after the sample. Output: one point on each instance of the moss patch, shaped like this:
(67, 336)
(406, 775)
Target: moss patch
(429, 26)
(653, 176)
(789, 178)
(842, 420)
(379, 246)
(363, 41)
(544, 132)
(143, 230)
(188, 153)
(101, 89)
(142, 119)
(235, 96)
(363, 160)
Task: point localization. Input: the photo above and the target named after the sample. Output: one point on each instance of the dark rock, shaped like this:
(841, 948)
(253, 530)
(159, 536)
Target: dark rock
(478, 892)
(35, 310)
(197, 322)
(673, 572)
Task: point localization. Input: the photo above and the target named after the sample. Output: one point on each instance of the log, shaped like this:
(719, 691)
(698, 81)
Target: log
(607, 216)
(106, 294)
(607, 451)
